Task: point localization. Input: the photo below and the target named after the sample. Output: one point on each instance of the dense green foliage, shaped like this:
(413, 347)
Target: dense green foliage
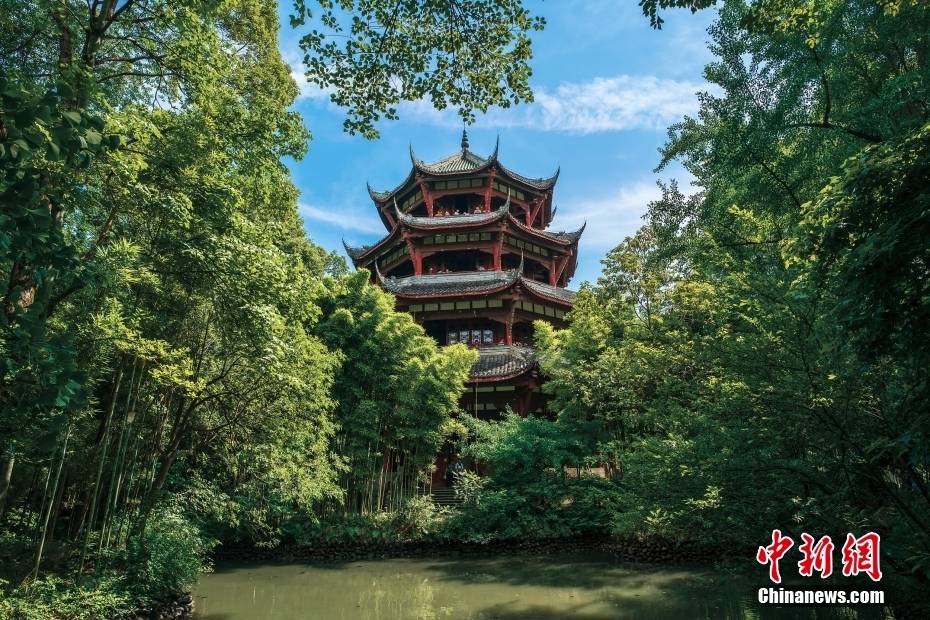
(178, 360)
(755, 356)
(374, 54)
(395, 403)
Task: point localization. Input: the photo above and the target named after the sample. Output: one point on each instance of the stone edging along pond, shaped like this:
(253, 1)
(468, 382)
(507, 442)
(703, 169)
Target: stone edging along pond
(176, 608)
(631, 550)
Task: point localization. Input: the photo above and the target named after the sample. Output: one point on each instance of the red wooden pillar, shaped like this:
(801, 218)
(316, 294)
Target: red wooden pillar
(534, 208)
(498, 248)
(524, 401)
(487, 192)
(417, 257)
(508, 326)
(562, 262)
(427, 196)
(553, 275)
(416, 254)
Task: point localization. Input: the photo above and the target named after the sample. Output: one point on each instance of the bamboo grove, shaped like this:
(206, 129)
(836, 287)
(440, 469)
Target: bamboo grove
(179, 362)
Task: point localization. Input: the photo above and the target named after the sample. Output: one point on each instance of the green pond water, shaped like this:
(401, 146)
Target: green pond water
(590, 587)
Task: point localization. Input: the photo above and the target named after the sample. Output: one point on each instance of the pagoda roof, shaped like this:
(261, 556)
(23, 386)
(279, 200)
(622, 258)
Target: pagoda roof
(502, 362)
(542, 289)
(358, 252)
(448, 284)
(457, 163)
(541, 183)
(468, 283)
(464, 221)
(453, 221)
(461, 162)
(561, 237)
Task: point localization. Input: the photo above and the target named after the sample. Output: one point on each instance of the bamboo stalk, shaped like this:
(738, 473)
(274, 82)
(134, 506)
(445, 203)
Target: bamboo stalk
(61, 462)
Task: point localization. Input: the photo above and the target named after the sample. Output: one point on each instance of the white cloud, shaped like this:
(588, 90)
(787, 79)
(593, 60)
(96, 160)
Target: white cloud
(614, 104)
(612, 217)
(609, 218)
(602, 104)
(344, 218)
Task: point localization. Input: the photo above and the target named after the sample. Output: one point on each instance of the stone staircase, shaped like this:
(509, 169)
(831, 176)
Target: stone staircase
(445, 497)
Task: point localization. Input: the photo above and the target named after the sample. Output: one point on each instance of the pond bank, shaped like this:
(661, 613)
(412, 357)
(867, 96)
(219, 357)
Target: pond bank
(628, 550)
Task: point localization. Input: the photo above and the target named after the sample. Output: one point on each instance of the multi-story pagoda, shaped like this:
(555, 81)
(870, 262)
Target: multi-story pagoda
(468, 254)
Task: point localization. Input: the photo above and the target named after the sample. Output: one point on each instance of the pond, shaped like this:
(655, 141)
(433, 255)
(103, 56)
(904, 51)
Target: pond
(588, 587)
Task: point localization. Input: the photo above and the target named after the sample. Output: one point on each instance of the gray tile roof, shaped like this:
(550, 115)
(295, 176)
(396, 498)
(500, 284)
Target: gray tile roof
(462, 162)
(553, 292)
(356, 251)
(380, 196)
(502, 361)
(564, 237)
(542, 183)
(443, 221)
(466, 282)
(469, 283)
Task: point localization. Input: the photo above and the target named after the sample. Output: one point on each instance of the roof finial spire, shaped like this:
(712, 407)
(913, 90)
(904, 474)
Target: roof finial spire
(464, 139)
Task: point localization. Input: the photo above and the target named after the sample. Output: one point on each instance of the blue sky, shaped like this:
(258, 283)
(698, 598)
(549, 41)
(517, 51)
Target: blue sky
(606, 86)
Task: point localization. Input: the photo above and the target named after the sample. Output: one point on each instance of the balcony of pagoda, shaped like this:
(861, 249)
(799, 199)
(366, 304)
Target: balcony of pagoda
(471, 196)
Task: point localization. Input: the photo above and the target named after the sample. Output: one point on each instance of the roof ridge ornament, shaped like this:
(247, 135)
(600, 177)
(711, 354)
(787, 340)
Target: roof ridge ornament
(464, 139)
(497, 143)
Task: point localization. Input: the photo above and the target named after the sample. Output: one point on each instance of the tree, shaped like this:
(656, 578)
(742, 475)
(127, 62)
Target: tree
(375, 54)
(760, 337)
(396, 391)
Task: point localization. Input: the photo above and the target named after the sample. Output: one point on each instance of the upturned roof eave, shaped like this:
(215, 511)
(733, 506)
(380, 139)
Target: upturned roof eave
(424, 223)
(568, 303)
(572, 240)
(512, 277)
(491, 290)
(482, 165)
(359, 254)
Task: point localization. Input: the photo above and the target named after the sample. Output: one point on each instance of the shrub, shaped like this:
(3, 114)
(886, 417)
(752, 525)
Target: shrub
(170, 556)
(53, 597)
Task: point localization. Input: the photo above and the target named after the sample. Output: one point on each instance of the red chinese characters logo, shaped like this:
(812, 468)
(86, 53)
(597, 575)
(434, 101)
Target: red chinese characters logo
(817, 557)
(859, 555)
(773, 553)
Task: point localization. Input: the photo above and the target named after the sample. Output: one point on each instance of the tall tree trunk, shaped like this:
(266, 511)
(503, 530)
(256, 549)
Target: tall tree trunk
(104, 446)
(42, 535)
(6, 474)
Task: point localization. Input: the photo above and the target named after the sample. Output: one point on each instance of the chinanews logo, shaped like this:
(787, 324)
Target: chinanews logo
(859, 556)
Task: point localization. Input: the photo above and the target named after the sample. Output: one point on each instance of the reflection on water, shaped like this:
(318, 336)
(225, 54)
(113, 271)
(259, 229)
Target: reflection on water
(590, 587)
